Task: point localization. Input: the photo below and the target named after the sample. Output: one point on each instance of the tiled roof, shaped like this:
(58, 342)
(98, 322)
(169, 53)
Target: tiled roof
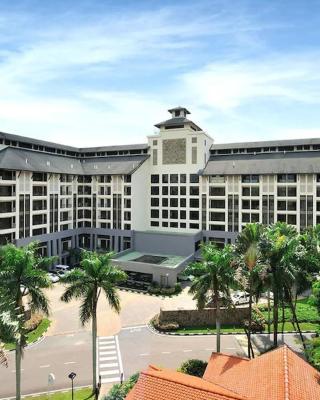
(277, 375)
(166, 384)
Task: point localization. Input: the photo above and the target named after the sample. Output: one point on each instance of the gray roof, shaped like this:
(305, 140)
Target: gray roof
(265, 163)
(29, 160)
(39, 142)
(266, 143)
(179, 109)
(177, 121)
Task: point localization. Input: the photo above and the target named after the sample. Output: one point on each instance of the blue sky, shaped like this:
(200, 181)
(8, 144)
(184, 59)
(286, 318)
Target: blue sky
(104, 72)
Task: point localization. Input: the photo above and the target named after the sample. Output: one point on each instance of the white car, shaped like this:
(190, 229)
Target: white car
(61, 268)
(53, 277)
(240, 298)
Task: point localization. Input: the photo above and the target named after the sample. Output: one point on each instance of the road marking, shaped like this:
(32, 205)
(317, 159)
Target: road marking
(69, 362)
(45, 366)
(71, 335)
(107, 347)
(112, 372)
(186, 351)
(144, 354)
(109, 365)
(109, 359)
(14, 371)
(126, 328)
(231, 348)
(109, 380)
(112, 358)
(166, 352)
(209, 349)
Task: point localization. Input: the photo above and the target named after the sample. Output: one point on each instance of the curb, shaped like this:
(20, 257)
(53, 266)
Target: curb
(50, 392)
(154, 330)
(39, 340)
(147, 293)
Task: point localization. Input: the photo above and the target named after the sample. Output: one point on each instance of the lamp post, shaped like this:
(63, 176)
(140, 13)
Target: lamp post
(71, 376)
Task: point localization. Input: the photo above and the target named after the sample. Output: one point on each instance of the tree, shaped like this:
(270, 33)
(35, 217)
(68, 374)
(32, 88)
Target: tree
(20, 273)
(213, 277)
(95, 275)
(251, 268)
(284, 253)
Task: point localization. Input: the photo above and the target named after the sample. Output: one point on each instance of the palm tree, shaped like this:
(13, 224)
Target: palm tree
(213, 276)
(20, 273)
(96, 275)
(284, 253)
(249, 261)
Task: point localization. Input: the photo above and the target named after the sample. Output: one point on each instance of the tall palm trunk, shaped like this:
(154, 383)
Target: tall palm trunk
(295, 318)
(18, 369)
(269, 313)
(218, 315)
(250, 320)
(94, 351)
(275, 315)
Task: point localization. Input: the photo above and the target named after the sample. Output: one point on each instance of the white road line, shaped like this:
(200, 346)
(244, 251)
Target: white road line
(186, 351)
(104, 353)
(133, 327)
(69, 362)
(106, 340)
(112, 372)
(166, 352)
(105, 337)
(45, 366)
(210, 349)
(110, 380)
(144, 354)
(107, 347)
(112, 358)
(109, 365)
(120, 358)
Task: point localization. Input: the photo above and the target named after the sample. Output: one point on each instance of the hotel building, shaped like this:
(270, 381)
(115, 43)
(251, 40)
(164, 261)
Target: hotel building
(162, 197)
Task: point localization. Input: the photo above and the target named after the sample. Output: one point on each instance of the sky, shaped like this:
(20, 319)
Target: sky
(98, 72)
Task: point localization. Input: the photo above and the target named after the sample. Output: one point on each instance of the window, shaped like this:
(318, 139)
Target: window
(194, 191)
(215, 216)
(154, 201)
(174, 178)
(194, 178)
(194, 203)
(173, 202)
(183, 203)
(174, 191)
(217, 204)
(165, 190)
(183, 214)
(165, 178)
(155, 142)
(254, 191)
(194, 215)
(154, 178)
(127, 190)
(194, 155)
(194, 226)
(165, 214)
(155, 157)
(183, 191)
(154, 223)
(164, 202)
(173, 214)
(155, 190)
(154, 213)
(183, 178)
(245, 191)
(217, 191)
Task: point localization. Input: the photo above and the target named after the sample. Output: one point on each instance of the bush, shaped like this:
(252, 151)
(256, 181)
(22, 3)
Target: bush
(164, 327)
(120, 391)
(258, 321)
(154, 288)
(33, 322)
(193, 367)
(313, 352)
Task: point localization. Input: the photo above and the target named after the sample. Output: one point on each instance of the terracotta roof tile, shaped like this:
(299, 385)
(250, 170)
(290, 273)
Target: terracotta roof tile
(165, 384)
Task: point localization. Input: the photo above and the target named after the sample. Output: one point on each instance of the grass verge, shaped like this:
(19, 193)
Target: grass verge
(304, 326)
(33, 335)
(80, 394)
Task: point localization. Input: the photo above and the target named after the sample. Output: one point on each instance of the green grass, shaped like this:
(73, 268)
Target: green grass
(80, 394)
(33, 335)
(305, 312)
(304, 326)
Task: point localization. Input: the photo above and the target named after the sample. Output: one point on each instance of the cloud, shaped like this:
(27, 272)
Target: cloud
(231, 84)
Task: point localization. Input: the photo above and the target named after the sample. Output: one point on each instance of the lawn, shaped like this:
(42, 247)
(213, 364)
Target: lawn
(305, 312)
(304, 326)
(33, 335)
(80, 394)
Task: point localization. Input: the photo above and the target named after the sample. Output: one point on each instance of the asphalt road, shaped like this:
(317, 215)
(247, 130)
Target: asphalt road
(138, 348)
(57, 354)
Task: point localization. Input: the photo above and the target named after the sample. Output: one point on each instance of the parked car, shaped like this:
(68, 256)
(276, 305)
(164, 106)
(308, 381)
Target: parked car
(53, 277)
(240, 298)
(61, 268)
(24, 291)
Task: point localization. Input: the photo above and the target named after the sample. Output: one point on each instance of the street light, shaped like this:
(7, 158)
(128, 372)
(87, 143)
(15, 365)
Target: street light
(71, 376)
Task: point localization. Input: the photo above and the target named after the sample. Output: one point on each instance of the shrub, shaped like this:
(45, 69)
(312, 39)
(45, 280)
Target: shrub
(313, 352)
(120, 391)
(154, 288)
(33, 322)
(178, 288)
(193, 367)
(258, 321)
(164, 327)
